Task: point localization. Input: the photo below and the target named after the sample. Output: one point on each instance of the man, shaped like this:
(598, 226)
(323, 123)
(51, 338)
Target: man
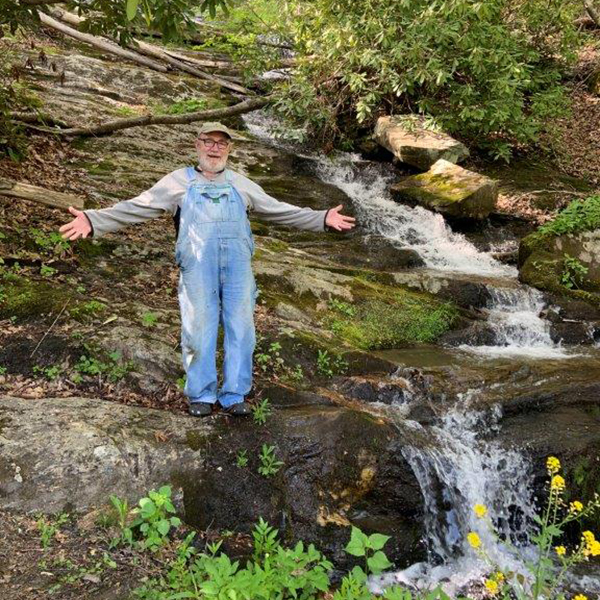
(214, 249)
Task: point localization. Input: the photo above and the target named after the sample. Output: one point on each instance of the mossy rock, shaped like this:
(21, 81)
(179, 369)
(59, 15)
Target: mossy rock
(563, 256)
(450, 190)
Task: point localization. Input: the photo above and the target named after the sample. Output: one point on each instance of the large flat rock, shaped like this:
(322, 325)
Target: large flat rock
(450, 190)
(415, 145)
(340, 466)
(72, 453)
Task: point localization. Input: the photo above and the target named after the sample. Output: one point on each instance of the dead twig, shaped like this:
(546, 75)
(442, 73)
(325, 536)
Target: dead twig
(50, 328)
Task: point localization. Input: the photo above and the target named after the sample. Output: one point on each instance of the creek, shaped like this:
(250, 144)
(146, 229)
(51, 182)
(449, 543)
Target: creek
(457, 458)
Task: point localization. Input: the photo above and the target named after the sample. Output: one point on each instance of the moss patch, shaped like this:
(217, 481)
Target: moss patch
(26, 298)
(403, 319)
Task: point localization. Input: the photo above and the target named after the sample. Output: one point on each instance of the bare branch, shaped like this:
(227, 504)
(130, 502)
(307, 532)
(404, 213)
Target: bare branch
(216, 113)
(592, 11)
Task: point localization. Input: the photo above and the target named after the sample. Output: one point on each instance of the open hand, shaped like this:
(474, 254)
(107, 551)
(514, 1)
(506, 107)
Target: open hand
(337, 221)
(78, 227)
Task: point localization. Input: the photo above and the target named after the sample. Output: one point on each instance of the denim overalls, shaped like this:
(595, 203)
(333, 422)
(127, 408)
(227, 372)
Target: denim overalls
(214, 251)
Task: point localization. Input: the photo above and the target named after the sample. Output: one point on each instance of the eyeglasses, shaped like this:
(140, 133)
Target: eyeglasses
(208, 143)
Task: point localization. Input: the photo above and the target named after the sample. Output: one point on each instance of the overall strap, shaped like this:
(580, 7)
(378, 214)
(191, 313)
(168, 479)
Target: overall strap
(191, 174)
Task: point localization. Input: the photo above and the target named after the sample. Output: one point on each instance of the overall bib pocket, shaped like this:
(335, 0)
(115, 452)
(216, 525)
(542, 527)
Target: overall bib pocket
(211, 204)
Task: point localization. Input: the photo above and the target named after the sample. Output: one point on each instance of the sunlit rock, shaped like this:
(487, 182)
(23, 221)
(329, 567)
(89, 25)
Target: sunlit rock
(412, 143)
(450, 190)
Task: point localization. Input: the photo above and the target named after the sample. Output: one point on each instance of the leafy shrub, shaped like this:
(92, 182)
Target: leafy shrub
(579, 215)
(300, 572)
(153, 519)
(574, 272)
(489, 71)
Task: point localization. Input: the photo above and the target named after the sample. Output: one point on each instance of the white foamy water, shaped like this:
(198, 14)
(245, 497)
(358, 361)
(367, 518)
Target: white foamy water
(457, 470)
(514, 312)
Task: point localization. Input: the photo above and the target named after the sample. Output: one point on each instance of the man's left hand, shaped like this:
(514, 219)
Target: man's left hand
(337, 221)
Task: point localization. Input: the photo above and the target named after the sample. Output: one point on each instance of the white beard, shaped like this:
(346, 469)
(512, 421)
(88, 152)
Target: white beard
(212, 165)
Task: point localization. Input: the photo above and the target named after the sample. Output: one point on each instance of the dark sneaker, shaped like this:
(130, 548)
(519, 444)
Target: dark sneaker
(200, 409)
(241, 409)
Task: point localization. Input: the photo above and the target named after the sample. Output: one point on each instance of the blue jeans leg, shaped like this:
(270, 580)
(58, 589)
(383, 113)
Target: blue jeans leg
(200, 306)
(238, 295)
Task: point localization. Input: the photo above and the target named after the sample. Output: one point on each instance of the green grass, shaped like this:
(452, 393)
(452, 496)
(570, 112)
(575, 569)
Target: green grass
(186, 105)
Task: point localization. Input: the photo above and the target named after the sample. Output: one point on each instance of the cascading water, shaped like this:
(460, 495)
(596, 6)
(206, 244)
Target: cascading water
(514, 310)
(458, 469)
(458, 466)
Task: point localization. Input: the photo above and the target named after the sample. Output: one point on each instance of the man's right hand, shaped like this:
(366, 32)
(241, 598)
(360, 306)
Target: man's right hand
(78, 227)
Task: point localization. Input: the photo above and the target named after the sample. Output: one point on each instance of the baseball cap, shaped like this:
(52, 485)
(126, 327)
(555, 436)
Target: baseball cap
(214, 126)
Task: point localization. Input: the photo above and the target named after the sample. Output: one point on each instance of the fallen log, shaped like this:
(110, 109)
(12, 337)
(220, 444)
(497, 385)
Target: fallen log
(156, 52)
(25, 191)
(101, 44)
(37, 118)
(204, 115)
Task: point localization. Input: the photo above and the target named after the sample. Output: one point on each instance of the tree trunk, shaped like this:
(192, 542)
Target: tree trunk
(205, 115)
(25, 191)
(100, 43)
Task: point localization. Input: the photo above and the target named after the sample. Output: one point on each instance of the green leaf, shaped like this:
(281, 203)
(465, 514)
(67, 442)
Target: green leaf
(377, 541)
(378, 562)
(132, 6)
(163, 526)
(358, 543)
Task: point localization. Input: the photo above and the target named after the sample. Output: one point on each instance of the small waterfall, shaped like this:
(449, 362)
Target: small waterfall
(513, 315)
(456, 471)
(409, 227)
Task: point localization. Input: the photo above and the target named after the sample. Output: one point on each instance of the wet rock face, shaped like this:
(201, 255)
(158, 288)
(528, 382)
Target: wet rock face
(338, 465)
(459, 289)
(415, 145)
(450, 190)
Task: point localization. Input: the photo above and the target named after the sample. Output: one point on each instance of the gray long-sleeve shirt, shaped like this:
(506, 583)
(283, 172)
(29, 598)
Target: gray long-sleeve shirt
(167, 195)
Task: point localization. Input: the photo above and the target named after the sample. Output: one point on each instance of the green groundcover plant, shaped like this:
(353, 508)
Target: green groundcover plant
(302, 572)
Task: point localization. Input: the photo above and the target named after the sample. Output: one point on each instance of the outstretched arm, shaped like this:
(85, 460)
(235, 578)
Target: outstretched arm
(163, 197)
(283, 213)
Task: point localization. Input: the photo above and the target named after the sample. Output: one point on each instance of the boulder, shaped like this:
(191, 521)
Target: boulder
(450, 190)
(71, 453)
(413, 144)
(542, 261)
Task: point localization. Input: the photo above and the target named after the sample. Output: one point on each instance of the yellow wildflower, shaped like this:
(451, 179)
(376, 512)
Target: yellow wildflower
(491, 586)
(499, 576)
(480, 510)
(553, 465)
(588, 537)
(575, 506)
(557, 484)
(560, 550)
(473, 539)
(580, 597)
(594, 548)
